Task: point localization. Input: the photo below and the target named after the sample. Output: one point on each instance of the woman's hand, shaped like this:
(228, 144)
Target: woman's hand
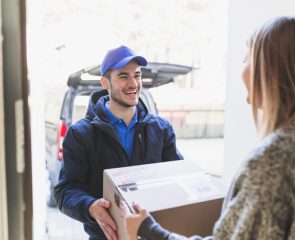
(131, 220)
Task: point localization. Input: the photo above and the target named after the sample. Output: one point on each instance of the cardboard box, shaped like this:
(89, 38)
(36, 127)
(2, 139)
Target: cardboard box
(179, 195)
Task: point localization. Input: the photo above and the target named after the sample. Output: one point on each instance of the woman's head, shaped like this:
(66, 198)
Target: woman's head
(271, 73)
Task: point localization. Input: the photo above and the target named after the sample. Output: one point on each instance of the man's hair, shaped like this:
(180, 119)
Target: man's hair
(272, 73)
(108, 74)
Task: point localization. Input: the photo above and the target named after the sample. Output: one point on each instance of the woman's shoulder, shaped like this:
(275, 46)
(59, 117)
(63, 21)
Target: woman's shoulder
(276, 150)
(271, 165)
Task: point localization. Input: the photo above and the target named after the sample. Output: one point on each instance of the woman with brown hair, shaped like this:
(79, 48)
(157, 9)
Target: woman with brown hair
(261, 201)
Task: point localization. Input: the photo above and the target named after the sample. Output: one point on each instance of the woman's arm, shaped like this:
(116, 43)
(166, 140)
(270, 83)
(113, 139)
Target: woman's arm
(143, 225)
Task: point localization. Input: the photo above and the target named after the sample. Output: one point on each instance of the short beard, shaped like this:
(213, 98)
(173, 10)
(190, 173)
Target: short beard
(120, 102)
(117, 100)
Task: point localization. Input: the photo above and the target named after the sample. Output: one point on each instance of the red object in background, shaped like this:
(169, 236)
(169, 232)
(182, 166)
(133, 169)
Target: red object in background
(60, 137)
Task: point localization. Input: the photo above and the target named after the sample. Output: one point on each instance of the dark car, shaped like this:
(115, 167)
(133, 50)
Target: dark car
(80, 85)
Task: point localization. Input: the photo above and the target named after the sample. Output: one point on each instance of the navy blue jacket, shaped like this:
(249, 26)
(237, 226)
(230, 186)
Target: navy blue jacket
(92, 145)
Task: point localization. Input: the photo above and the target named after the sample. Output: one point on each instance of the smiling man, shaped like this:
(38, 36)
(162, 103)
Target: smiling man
(117, 131)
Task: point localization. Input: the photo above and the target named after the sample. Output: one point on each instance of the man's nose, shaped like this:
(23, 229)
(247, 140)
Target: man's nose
(133, 82)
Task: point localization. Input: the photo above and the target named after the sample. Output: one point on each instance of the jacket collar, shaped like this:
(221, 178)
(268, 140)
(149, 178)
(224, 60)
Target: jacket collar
(96, 110)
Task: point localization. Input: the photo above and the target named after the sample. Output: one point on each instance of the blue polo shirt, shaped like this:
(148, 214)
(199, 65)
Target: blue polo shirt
(125, 133)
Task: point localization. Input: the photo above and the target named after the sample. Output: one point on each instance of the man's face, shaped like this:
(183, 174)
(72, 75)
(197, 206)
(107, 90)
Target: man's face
(125, 85)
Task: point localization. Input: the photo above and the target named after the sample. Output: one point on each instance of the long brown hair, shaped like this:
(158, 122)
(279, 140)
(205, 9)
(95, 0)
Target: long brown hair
(272, 73)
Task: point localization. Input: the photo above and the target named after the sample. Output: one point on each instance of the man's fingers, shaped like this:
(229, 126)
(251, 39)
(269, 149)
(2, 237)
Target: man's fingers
(104, 203)
(107, 220)
(111, 223)
(109, 232)
(106, 233)
(99, 211)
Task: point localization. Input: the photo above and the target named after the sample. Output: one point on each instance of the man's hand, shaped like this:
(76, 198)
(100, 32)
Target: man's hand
(99, 211)
(132, 221)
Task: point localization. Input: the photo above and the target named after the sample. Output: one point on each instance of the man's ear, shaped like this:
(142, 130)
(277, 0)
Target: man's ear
(105, 83)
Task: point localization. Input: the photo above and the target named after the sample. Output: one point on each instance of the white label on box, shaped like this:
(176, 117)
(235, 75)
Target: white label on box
(199, 187)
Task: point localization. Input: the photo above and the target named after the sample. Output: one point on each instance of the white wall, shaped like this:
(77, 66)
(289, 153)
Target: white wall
(36, 104)
(39, 173)
(244, 18)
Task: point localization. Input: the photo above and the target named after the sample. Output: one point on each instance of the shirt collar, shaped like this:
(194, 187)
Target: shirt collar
(113, 119)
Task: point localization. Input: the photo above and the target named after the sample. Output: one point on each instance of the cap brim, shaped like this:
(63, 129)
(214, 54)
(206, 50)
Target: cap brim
(140, 60)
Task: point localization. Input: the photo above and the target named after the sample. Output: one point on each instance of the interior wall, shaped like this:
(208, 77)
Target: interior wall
(240, 133)
(3, 190)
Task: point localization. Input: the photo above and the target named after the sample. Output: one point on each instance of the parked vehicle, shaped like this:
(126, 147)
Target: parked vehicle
(80, 85)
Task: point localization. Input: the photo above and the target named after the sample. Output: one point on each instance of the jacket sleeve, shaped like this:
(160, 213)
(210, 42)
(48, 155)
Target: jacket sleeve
(151, 230)
(170, 152)
(71, 191)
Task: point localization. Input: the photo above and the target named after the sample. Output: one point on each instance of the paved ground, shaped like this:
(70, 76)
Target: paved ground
(61, 227)
(208, 154)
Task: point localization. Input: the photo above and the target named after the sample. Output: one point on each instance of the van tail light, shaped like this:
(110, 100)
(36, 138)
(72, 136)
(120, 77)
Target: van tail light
(62, 129)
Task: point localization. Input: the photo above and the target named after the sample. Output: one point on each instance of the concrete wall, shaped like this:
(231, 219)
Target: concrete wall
(240, 134)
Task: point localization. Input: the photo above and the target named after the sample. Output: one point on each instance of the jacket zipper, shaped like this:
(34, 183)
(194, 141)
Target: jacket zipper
(137, 144)
(139, 138)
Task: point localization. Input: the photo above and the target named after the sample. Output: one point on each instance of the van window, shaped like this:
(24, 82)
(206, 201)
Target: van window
(80, 107)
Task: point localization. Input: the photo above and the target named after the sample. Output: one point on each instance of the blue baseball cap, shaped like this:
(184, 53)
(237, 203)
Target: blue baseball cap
(119, 57)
